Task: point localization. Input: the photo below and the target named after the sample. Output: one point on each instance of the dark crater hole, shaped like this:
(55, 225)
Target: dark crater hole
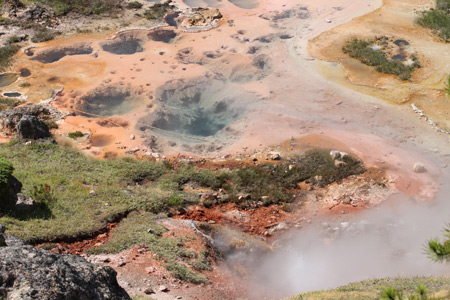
(123, 46)
(197, 108)
(106, 102)
(54, 55)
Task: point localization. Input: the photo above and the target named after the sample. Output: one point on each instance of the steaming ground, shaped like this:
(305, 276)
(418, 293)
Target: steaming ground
(386, 241)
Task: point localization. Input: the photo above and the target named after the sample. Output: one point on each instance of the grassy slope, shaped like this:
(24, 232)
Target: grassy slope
(61, 180)
(438, 288)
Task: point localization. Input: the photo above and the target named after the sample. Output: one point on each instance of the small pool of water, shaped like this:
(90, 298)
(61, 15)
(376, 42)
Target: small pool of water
(24, 72)
(196, 108)
(124, 46)
(400, 57)
(6, 79)
(401, 43)
(12, 94)
(170, 19)
(245, 4)
(162, 35)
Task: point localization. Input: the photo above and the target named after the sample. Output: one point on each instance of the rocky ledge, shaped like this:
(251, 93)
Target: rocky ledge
(27, 272)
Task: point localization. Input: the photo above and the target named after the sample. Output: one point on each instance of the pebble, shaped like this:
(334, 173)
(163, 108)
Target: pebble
(163, 288)
(419, 167)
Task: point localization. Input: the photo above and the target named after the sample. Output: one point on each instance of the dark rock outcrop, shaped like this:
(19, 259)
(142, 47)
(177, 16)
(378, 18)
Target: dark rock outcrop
(9, 119)
(27, 272)
(30, 127)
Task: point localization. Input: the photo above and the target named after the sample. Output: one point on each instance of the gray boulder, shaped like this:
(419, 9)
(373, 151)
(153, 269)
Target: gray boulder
(30, 127)
(27, 272)
(9, 119)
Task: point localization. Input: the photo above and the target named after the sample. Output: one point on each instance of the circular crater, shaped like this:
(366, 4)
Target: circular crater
(123, 45)
(162, 35)
(55, 54)
(198, 108)
(7, 79)
(108, 101)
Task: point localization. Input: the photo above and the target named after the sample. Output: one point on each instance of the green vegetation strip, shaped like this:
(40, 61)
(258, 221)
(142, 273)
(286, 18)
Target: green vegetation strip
(374, 289)
(6, 54)
(437, 19)
(77, 196)
(7, 103)
(361, 50)
(66, 177)
(85, 7)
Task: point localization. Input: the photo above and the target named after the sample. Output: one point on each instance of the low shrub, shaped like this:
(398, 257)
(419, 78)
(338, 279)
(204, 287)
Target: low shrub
(134, 5)
(6, 169)
(158, 10)
(76, 134)
(6, 54)
(438, 19)
(181, 272)
(7, 103)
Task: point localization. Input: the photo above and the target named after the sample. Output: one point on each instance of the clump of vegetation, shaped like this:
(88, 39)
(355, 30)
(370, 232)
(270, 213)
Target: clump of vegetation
(24, 84)
(7, 103)
(268, 183)
(181, 272)
(440, 251)
(374, 288)
(6, 54)
(394, 294)
(361, 50)
(42, 34)
(85, 7)
(447, 86)
(51, 125)
(76, 134)
(438, 19)
(158, 10)
(6, 169)
(134, 5)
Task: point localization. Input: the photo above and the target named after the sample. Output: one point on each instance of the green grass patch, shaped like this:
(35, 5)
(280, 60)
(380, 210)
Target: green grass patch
(438, 288)
(7, 103)
(158, 10)
(447, 86)
(134, 5)
(6, 54)
(62, 178)
(438, 19)
(76, 134)
(6, 169)
(139, 228)
(361, 50)
(84, 7)
(68, 176)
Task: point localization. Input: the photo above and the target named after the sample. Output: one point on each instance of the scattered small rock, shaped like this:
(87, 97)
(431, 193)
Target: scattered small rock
(419, 168)
(149, 291)
(132, 137)
(163, 288)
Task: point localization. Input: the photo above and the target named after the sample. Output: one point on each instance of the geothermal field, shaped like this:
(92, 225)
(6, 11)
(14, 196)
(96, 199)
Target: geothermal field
(223, 87)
